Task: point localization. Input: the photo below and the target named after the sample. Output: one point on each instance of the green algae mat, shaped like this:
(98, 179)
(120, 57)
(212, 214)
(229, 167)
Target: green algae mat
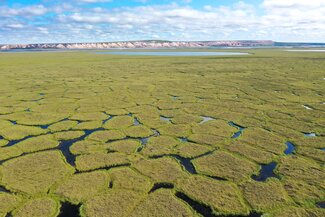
(85, 134)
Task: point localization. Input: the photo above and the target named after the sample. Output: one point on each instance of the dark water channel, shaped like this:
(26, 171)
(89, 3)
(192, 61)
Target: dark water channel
(160, 186)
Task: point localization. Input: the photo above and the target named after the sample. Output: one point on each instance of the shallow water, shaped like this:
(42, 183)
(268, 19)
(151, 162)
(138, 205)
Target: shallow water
(65, 145)
(290, 148)
(266, 172)
(308, 107)
(310, 134)
(13, 122)
(109, 118)
(186, 163)
(183, 139)
(160, 53)
(69, 210)
(237, 134)
(321, 204)
(206, 119)
(3, 189)
(163, 118)
(137, 122)
(306, 50)
(144, 140)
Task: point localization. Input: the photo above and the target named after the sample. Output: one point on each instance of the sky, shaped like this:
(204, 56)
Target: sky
(55, 21)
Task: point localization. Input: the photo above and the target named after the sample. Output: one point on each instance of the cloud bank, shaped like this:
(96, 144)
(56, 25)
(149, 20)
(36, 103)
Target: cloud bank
(88, 20)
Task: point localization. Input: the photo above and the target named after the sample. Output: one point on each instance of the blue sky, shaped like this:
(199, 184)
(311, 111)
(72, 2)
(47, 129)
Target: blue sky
(43, 21)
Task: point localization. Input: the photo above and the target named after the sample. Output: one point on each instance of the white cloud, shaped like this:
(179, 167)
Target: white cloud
(34, 10)
(290, 20)
(15, 26)
(290, 4)
(94, 1)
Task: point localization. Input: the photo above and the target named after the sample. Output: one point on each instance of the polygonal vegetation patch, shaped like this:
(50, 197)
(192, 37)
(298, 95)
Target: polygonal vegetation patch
(191, 150)
(37, 143)
(88, 146)
(177, 130)
(112, 203)
(208, 139)
(215, 127)
(138, 132)
(100, 160)
(88, 125)
(62, 126)
(17, 132)
(256, 154)
(224, 197)
(263, 139)
(106, 135)
(292, 211)
(299, 168)
(127, 146)
(160, 145)
(163, 169)
(162, 203)
(40, 207)
(80, 187)
(225, 165)
(119, 122)
(9, 152)
(126, 178)
(89, 116)
(68, 135)
(265, 196)
(8, 202)
(35, 173)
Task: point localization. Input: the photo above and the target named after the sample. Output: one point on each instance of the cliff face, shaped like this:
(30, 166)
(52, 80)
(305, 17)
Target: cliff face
(139, 44)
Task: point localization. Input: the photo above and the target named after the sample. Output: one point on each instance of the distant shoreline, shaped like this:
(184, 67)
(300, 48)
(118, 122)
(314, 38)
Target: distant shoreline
(160, 45)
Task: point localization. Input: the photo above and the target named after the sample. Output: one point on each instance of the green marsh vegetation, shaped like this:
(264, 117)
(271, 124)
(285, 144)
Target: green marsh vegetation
(108, 135)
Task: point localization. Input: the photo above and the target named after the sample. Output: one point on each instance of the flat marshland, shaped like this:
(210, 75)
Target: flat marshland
(85, 134)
